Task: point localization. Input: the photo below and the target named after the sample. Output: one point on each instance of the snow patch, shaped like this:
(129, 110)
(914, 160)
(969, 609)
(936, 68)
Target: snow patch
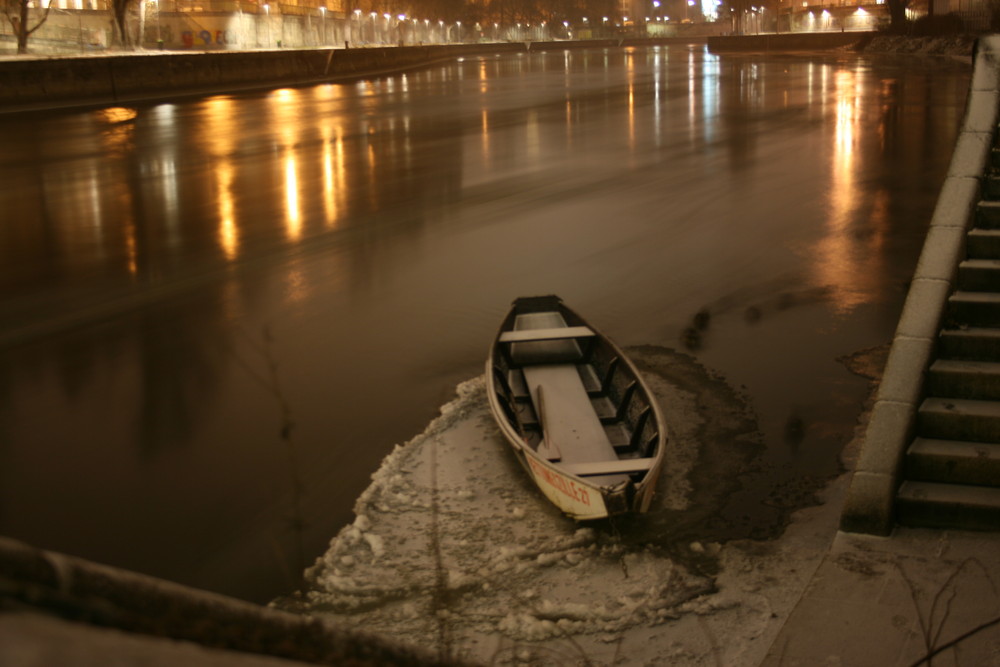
(453, 549)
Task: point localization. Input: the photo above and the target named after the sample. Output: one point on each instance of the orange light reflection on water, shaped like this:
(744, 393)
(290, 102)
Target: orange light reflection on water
(117, 137)
(228, 231)
(286, 109)
(854, 227)
(219, 137)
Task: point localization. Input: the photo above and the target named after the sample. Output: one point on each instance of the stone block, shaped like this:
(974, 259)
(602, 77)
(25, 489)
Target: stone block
(925, 304)
(944, 248)
(889, 433)
(986, 72)
(981, 111)
(972, 149)
(869, 505)
(905, 370)
(957, 202)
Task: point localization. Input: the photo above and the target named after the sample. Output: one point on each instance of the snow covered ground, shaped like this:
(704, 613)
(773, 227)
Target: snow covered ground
(454, 550)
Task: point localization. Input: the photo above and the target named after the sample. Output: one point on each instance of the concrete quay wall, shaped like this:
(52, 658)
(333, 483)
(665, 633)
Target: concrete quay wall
(797, 41)
(27, 84)
(60, 82)
(870, 504)
(50, 83)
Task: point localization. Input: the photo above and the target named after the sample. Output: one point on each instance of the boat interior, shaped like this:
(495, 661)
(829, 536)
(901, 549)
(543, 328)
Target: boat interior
(572, 399)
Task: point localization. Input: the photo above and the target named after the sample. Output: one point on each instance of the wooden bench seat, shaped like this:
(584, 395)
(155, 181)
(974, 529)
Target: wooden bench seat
(556, 333)
(539, 338)
(608, 467)
(572, 431)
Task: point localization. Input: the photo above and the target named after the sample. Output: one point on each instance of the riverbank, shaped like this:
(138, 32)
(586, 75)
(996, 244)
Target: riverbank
(50, 83)
(948, 45)
(961, 45)
(38, 83)
(31, 83)
(41, 83)
(455, 553)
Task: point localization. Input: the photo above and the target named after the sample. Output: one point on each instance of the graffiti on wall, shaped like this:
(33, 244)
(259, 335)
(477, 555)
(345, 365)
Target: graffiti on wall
(190, 38)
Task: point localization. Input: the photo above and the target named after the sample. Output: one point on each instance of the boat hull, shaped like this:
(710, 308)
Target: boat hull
(558, 446)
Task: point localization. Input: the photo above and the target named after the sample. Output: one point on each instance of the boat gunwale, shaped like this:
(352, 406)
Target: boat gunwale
(644, 487)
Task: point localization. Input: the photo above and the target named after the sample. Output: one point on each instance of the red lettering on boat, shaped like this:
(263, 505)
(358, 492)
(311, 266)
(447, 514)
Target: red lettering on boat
(560, 483)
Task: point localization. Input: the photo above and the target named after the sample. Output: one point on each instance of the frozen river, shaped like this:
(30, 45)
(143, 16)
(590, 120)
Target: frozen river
(218, 316)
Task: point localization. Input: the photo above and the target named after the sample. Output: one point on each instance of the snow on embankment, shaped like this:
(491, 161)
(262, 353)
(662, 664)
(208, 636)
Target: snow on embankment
(453, 549)
(948, 45)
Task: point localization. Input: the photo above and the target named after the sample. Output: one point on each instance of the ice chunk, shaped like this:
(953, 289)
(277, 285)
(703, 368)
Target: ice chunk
(375, 543)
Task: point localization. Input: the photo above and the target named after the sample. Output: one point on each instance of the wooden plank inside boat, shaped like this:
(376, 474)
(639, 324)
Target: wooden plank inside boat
(573, 432)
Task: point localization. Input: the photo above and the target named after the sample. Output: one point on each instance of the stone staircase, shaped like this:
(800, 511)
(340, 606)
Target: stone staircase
(951, 472)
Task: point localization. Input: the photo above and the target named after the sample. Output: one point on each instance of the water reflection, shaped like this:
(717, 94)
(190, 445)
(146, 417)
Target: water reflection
(840, 258)
(218, 138)
(376, 228)
(860, 221)
(293, 214)
(228, 229)
(332, 170)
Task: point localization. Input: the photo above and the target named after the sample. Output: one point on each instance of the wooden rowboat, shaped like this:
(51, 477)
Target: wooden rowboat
(576, 411)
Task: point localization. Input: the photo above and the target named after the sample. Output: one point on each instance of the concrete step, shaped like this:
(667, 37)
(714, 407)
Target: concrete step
(979, 275)
(953, 461)
(959, 419)
(978, 343)
(975, 309)
(988, 214)
(991, 186)
(961, 378)
(983, 243)
(948, 506)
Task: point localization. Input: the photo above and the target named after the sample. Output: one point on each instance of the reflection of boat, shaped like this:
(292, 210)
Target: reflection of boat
(576, 411)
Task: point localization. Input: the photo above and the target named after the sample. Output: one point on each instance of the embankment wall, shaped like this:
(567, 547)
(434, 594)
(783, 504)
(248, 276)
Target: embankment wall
(51, 83)
(64, 82)
(797, 41)
(871, 500)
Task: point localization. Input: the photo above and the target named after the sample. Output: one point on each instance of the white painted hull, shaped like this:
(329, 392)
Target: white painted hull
(574, 494)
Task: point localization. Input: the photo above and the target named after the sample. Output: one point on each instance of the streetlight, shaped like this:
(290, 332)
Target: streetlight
(159, 37)
(267, 20)
(400, 22)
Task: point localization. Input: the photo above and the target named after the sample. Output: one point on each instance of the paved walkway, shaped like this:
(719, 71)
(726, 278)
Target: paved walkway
(891, 601)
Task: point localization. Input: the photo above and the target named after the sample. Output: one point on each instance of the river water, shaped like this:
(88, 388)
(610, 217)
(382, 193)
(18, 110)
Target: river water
(218, 316)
